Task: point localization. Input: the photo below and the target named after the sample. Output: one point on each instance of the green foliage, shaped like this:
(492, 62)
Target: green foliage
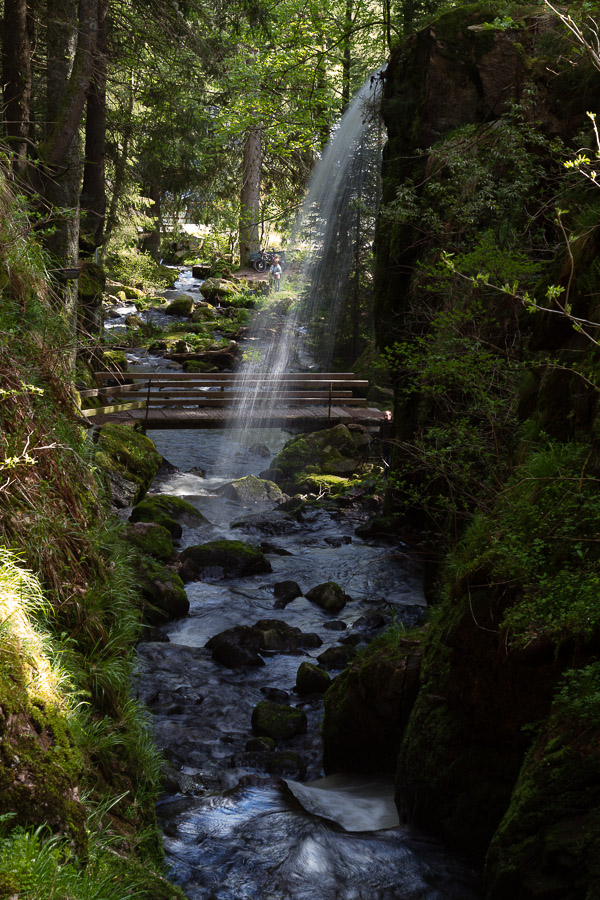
(540, 541)
(579, 694)
(137, 268)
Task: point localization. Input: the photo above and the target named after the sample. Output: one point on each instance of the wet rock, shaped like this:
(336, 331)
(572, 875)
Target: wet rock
(329, 596)
(260, 744)
(235, 648)
(336, 657)
(389, 528)
(168, 511)
(151, 539)
(235, 558)
(275, 694)
(268, 547)
(310, 679)
(287, 763)
(278, 721)
(285, 592)
(275, 522)
(196, 470)
(335, 625)
(259, 450)
(338, 541)
(251, 490)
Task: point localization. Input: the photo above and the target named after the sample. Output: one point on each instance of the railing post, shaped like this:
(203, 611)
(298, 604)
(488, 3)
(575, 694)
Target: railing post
(145, 425)
(330, 390)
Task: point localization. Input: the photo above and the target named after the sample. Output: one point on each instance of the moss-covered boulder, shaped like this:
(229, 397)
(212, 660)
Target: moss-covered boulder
(235, 558)
(329, 596)
(310, 679)
(216, 289)
(169, 511)
(204, 313)
(129, 460)
(163, 592)
(181, 305)
(334, 451)
(368, 705)
(277, 720)
(151, 539)
(252, 490)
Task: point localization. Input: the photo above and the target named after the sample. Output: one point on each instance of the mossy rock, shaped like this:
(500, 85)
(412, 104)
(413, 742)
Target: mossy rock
(182, 305)
(115, 360)
(252, 490)
(277, 720)
(163, 592)
(130, 453)
(236, 558)
(310, 679)
(216, 289)
(334, 451)
(151, 539)
(329, 596)
(204, 313)
(197, 365)
(133, 321)
(169, 511)
(133, 293)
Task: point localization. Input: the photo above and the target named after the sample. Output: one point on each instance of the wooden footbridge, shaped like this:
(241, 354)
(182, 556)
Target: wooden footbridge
(297, 401)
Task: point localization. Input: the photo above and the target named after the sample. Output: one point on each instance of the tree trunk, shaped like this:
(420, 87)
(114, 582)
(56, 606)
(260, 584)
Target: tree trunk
(347, 55)
(250, 195)
(93, 192)
(16, 79)
(71, 38)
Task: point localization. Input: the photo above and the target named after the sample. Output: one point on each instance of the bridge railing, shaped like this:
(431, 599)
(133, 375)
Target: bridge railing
(133, 390)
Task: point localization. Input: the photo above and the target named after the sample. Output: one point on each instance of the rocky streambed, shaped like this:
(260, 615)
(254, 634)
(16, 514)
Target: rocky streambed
(236, 691)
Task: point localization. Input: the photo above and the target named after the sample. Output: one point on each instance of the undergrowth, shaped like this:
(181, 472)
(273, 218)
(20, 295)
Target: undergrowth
(70, 625)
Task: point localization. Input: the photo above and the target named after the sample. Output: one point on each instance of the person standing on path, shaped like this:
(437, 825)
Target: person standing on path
(275, 272)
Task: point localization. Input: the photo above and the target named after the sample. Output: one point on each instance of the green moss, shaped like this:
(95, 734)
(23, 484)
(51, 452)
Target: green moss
(130, 453)
(115, 360)
(235, 557)
(167, 510)
(277, 720)
(152, 540)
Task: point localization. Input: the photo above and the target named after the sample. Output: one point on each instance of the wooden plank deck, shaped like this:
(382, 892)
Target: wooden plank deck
(299, 401)
(296, 419)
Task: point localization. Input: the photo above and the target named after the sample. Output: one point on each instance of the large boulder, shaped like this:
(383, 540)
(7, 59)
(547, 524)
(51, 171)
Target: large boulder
(367, 707)
(251, 490)
(169, 511)
(242, 644)
(335, 451)
(217, 289)
(235, 558)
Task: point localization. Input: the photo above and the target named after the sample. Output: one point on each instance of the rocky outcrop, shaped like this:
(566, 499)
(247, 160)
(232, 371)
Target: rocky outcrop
(129, 461)
(367, 708)
(335, 451)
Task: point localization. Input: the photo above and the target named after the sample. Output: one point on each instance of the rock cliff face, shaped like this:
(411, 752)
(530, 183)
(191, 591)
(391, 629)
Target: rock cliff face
(497, 757)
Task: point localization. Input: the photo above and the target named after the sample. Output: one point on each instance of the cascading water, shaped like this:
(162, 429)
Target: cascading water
(329, 225)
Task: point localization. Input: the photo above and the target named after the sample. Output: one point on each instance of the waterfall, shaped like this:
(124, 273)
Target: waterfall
(328, 226)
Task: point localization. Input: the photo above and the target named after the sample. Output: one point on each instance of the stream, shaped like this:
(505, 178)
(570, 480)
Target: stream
(241, 823)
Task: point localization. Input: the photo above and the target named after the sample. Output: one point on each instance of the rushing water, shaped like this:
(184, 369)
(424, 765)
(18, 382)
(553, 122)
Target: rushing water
(323, 225)
(232, 831)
